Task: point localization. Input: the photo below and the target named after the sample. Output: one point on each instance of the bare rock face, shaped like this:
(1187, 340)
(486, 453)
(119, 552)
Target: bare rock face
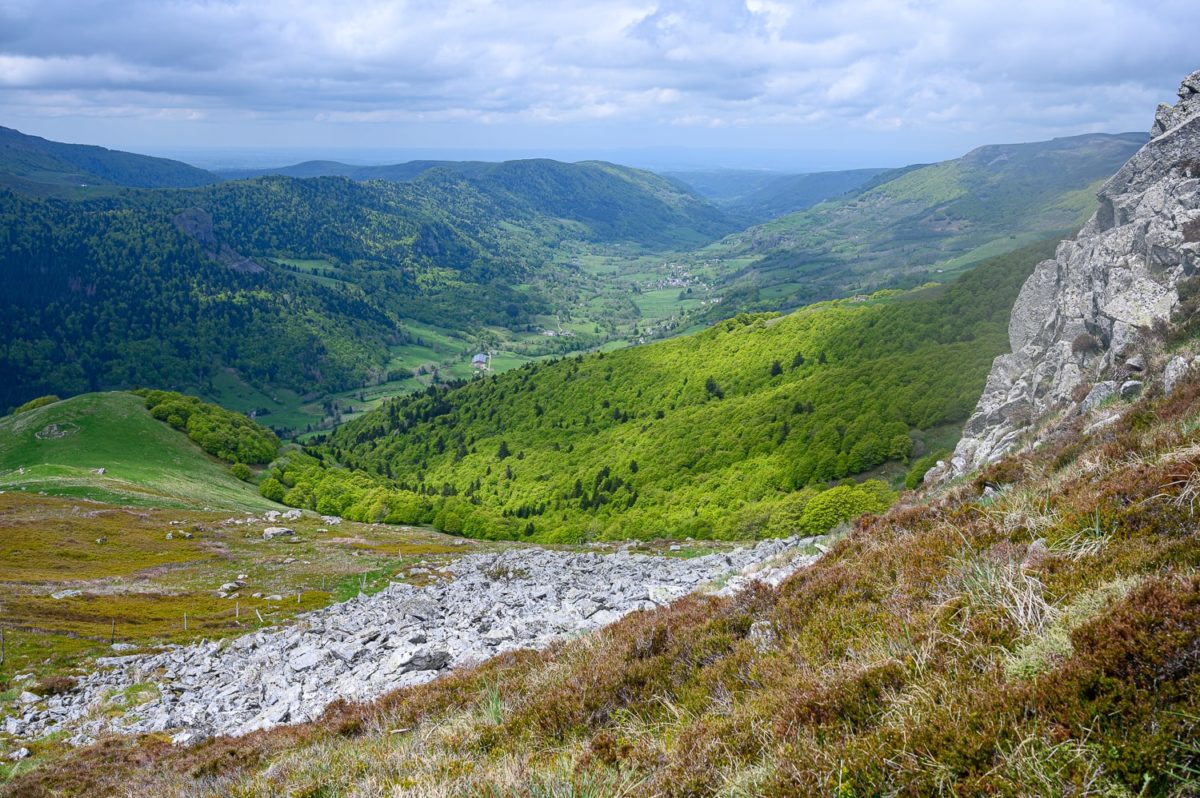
(1080, 316)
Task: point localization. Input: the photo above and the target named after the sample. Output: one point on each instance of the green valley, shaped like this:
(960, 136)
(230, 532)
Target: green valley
(729, 432)
(308, 300)
(912, 225)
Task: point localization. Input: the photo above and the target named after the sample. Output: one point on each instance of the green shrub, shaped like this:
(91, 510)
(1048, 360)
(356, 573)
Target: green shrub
(845, 502)
(34, 404)
(272, 489)
(222, 433)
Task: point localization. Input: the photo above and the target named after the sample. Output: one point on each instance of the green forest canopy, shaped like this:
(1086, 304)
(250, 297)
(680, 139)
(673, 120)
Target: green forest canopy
(729, 432)
(168, 287)
(222, 433)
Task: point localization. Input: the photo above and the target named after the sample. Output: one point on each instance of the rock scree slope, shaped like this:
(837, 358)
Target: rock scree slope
(483, 604)
(1084, 320)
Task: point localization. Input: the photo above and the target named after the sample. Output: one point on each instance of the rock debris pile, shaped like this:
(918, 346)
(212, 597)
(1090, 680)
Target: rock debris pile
(404, 635)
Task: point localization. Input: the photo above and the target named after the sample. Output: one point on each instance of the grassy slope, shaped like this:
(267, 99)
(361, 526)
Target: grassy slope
(145, 461)
(1040, 641)
(916, 221)
(691, 463)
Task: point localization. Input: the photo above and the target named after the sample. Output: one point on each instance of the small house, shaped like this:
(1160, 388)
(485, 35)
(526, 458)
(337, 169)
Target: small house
(480, 362)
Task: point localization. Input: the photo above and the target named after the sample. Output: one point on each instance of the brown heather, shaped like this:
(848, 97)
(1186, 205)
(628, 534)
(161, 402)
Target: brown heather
(1042, 641)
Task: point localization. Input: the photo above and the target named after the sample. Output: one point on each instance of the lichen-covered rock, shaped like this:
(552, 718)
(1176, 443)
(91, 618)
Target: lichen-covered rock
(1084, 311)
(1101, 392)
(1176, 368)
(1130, 389)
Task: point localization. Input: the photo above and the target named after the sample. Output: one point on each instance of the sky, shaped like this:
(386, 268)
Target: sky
(798, 86)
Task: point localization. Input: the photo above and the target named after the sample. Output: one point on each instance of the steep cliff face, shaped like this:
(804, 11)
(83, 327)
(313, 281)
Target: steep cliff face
(1084, 326)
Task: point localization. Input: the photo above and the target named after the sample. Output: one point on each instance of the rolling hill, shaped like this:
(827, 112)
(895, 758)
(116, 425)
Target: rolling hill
(612, 202)
(50, 168)
(108, 447)
(907, 226)
(398, 172)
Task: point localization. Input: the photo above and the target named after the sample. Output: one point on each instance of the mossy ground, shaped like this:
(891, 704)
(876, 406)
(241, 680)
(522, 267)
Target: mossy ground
(119, 578)
(1041, 641)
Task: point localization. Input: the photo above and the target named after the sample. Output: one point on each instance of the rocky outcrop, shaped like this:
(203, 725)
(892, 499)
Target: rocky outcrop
(198, 223)
(1083, 317)
(483, 605)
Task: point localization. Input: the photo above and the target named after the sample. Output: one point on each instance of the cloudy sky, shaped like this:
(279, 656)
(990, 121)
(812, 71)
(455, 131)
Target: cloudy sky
(806, 84)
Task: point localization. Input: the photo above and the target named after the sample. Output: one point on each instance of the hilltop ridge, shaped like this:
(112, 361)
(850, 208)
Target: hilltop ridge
(52, 168)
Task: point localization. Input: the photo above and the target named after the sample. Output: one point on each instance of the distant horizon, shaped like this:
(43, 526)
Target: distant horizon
(658, 159)
(785, 85)
(670, 159)
(836, 154)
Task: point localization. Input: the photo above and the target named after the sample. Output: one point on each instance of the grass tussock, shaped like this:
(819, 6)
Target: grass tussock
(1042, 640)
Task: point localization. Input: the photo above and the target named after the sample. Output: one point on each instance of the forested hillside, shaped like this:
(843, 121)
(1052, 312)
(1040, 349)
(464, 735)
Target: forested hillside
(42, 167)
(300, 284)
(107, 297)
(612, 202)
(908, 226)
(713, 434)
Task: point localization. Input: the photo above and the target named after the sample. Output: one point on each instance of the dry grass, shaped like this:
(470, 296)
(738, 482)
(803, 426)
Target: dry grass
(1007, 587)
(1024, 509)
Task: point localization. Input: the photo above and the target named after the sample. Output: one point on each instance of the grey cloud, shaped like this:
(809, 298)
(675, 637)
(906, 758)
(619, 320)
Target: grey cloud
(1025, 65)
